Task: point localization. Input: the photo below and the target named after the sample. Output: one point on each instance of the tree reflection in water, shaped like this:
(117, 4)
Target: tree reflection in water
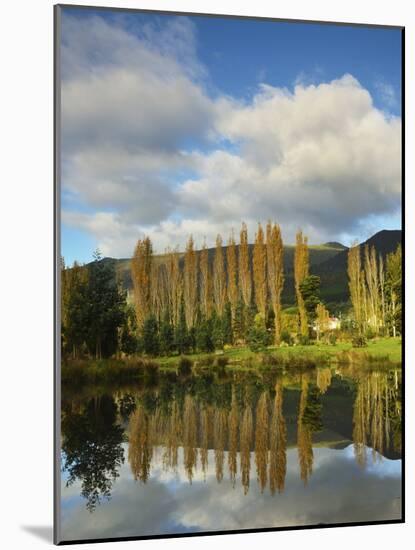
(242, 420)
(92, 448)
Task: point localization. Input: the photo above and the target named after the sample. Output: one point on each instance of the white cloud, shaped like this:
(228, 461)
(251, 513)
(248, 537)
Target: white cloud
(322, 156)
(142, 139)
(127, 108)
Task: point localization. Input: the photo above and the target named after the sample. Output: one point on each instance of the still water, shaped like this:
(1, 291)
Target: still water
(231, 450)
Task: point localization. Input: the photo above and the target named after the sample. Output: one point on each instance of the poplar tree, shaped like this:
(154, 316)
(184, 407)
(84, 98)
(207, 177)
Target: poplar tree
(382, 292)
(245, 282)
(275, 269)
(205, 282)
(174, 285)
(159, 298)
(260, 272)
(219, 278)
(355, 284)
(75, 307)
(301, 269)
(190, 283)
(141, 271)
(393, 289)
(322, 320)
(372, 284)
(232, 275)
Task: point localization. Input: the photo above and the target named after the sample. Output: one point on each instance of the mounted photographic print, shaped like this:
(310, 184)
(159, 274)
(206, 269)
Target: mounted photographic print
(229, 290)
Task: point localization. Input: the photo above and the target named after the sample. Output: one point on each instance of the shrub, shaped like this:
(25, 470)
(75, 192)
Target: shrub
(303, 340)
(287, 338)
(359, 342)
(332, 338)
(257, 338)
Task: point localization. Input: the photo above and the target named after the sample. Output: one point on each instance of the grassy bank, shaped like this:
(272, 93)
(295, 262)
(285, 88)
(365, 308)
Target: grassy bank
(385, 351)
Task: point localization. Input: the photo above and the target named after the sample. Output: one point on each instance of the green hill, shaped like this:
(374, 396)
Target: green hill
(333, 271)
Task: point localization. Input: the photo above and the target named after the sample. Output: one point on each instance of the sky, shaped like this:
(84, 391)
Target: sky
(179, 125)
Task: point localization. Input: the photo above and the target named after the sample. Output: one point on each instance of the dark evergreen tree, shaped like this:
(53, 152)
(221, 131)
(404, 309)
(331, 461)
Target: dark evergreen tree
(313, 411)
(239, 327)
(227, 324)
(128, 337)
(204, 336)
(166, 335)
(217, 331)
(310, 291)
(192, 339)
(92, 448)
(270, 323)
(106, 308)
(257, 335)
(181, 336)
(75, 309)
(151, 343)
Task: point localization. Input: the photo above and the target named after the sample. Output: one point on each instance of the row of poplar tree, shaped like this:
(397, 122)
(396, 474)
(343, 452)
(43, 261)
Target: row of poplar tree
(375, 287)
(193, 302)
(232, 297)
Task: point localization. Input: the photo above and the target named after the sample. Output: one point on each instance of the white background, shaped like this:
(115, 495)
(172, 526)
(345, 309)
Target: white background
(26, 267)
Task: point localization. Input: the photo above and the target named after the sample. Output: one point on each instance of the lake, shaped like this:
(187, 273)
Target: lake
(224, 449)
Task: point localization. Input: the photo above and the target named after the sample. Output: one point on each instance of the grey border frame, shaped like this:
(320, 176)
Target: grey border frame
(57, 8)
(57, 277)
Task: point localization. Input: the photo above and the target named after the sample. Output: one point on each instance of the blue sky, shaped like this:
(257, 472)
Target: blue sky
(179, 125)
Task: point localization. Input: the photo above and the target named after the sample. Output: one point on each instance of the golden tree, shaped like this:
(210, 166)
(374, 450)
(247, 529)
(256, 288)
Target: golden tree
(245, 281)
(140, 449)
(323, 379)
(261, 440)
(246, 433)
(373, 288)
(275, 268)
(174, 284)
(159, 297)
(205, 282)
(219, 278)
(322, 320)
(141, 271)
(219, 440)
(301, 270)
(190, 283)
(233, 430)
(260, 272)
(189, 436)
(278, 443)
(174, 438)
(382, 291)
(356, 285)
(232, 274)
(205, 422)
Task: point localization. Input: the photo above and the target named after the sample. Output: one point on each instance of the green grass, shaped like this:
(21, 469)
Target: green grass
(384, 351)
